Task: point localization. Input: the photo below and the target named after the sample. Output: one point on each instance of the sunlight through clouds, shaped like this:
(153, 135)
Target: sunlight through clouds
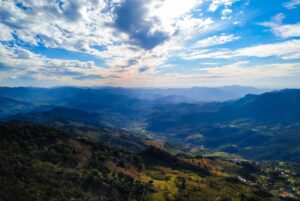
(122, 40)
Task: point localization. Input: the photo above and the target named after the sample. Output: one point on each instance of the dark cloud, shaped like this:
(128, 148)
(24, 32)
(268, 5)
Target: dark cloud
(114, 76)
(58, 72)
(130, 18)
(71, 11)
(7, 18)
(143, 69)
(132, 62)
(67, 10)
(4, 67)
(88, 77)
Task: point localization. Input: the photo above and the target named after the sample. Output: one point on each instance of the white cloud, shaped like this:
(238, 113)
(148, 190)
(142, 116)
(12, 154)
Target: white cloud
(215, 4)
(81, 25)
(226, 14)
(169, 12)
(84, 25)
(246, 70)
(6, 33)
(21, 62)
(292, 4)
(242, 73)
(282, 30)
(286, 50)
(216, 40)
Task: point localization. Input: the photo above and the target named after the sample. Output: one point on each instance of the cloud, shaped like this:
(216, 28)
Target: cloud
(130, 18)
(151, 23)
(150, 30)
(137, 39)
(285, 50)
(226, 14)
(216, 40)
(215, 4)
(246, 70)
(242, 73)
(292, 4)
(20, 62)
(143, 69)
(6, 33)
(282, 30)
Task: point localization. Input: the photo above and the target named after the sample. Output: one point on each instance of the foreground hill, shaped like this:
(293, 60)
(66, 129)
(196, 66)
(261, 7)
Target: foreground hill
(41, 163)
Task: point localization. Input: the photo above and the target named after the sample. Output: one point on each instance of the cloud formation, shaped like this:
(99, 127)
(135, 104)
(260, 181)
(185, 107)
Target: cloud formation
(131, 18)
(134, 42)
(284, 50)
(216, 40)
(293, 4)
(282, 30)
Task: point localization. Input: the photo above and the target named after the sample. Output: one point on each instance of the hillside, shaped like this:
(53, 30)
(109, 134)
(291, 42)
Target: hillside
(88, 125)
(41, 163)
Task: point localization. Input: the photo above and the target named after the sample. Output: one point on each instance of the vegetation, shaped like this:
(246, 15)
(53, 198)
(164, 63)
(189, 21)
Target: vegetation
(42, 163)
(39, 163)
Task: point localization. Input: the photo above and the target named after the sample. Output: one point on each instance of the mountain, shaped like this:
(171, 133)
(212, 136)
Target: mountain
(59, 115)
(264, 127)
(11, 106)
(84, 124)
(203, 94)
(259, 127)
(107, 95)
(42, 163)
(278, 106)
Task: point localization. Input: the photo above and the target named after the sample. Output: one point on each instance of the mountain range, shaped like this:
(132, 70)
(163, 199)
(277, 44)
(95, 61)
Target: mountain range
(72, 143)
(254, 126)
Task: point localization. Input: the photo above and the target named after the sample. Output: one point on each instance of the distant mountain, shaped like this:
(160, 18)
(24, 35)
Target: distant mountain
(278, 106)
(257, 126)
(121, 106)
(9, 106)
(64, 95)
(126, 117)
(205, 94)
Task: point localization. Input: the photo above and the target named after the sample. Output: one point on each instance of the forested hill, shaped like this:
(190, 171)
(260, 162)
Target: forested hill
(42, 163)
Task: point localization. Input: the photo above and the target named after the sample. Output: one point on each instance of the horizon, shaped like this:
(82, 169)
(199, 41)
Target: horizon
(165, 44)
(149, 87)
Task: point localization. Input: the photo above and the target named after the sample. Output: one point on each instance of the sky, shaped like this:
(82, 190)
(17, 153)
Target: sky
(150, 43)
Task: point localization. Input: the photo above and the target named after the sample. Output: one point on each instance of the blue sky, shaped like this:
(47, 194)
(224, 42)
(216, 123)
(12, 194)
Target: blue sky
(153, 43)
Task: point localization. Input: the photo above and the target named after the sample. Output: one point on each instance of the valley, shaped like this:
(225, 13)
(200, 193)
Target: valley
(109, 144)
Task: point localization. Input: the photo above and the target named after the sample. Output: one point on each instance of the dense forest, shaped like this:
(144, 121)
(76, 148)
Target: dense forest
(42, 163)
